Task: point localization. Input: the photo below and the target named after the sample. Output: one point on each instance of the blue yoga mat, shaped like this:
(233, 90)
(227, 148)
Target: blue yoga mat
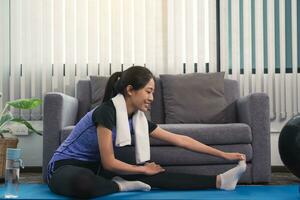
(282, 192)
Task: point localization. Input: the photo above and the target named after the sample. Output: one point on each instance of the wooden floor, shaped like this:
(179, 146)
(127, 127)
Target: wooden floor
(283, 178)
(278, 178)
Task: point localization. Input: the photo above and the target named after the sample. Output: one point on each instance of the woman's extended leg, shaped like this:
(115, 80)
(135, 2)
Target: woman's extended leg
(176, 181)
(181, 181)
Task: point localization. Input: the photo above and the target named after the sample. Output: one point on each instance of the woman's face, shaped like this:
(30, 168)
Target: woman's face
(142, 98)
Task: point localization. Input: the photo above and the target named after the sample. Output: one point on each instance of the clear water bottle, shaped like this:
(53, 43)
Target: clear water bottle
(12, 172)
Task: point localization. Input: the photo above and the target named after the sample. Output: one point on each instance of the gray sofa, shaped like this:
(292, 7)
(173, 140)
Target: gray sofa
(250, 134)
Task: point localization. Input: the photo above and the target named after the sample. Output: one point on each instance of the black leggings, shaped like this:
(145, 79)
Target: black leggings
(82, 179)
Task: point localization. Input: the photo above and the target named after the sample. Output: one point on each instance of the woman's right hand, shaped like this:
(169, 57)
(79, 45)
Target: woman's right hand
(152, 168)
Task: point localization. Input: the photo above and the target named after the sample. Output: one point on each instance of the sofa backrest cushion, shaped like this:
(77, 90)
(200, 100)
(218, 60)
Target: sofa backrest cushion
(84, 96)
(231, 92)
(157, 107)
(98, 84)
(194, 98)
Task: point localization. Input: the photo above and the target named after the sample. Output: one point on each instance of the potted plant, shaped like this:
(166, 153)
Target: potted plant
(7, 139)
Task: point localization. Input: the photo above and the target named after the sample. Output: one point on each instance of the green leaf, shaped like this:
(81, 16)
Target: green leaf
(4, 131)
(27, 124)
(25, 103)
(5, 118)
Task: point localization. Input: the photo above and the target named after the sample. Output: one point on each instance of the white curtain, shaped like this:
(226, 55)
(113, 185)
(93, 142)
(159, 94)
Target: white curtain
(260, 39)
(4, 51)
(55, 43)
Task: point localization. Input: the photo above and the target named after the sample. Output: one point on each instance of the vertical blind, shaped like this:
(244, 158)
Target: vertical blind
(260, 48)
(54, 43)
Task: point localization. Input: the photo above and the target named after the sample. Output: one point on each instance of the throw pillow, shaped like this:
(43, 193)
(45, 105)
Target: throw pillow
(98, 84)
(194, 98)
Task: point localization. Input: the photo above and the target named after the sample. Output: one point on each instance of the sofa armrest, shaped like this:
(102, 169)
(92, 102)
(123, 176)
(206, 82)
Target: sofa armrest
(60, 110)
(254, 111)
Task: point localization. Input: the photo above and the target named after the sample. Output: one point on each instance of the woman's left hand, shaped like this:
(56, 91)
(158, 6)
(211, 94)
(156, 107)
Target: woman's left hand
(234, 156)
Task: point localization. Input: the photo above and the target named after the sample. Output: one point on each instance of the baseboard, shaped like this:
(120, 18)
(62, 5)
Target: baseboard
(279, 169)
(37, 169)
(32, 169)
(29, 169)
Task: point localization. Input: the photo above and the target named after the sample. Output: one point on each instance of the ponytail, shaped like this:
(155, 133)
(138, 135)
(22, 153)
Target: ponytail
(136, 76)
(112, 86)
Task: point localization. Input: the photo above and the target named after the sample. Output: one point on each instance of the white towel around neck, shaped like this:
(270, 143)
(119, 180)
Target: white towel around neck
(140, 127)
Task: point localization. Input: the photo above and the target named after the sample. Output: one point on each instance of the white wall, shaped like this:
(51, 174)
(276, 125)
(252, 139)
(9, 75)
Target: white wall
(4, 50)
(275, 157)
(32, 149)
(32, 146)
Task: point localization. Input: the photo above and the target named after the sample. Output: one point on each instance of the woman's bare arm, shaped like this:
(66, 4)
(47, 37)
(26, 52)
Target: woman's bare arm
(110, 163)
(193, 145)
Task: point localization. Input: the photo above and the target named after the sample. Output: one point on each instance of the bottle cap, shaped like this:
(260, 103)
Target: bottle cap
(13, 154)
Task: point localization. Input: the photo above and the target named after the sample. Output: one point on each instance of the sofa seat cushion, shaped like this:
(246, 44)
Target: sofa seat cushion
(211, 134)
(237, 139)
(171, 155)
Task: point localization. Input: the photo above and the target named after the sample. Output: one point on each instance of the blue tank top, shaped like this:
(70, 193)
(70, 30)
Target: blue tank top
(82, 143)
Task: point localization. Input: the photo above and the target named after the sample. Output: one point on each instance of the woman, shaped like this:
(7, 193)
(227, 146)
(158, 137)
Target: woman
(85, 165)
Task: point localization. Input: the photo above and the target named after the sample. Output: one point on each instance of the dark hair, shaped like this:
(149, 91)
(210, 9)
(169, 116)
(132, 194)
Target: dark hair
(136, 76)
